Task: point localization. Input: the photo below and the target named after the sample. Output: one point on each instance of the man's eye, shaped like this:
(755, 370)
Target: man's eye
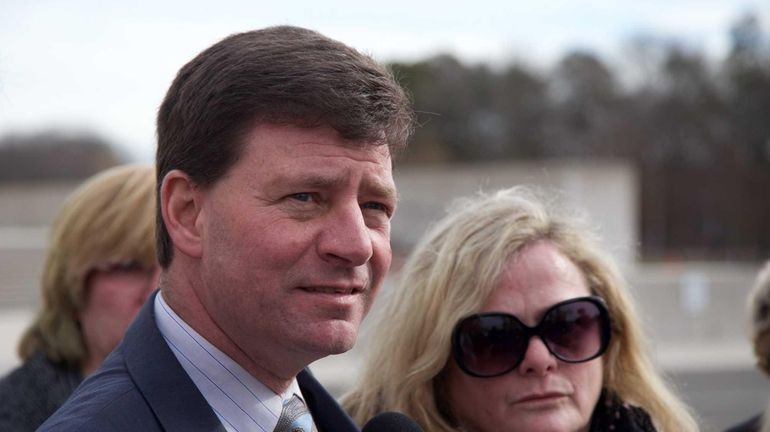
(376, 206)
(302, 196)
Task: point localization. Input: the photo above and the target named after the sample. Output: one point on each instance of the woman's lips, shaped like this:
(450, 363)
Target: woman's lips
(541, 397)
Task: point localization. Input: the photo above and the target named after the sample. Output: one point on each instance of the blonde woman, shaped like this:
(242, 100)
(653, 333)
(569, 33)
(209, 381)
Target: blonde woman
(507, 318)
(99, 269)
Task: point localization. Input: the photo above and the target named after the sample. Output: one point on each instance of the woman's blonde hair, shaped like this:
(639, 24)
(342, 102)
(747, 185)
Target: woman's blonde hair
(108, 219)
(450, 274)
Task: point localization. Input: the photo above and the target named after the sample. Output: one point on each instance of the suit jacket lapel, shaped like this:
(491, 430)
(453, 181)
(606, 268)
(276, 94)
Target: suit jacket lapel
(176, 401)
(160, 378)
(328, 416)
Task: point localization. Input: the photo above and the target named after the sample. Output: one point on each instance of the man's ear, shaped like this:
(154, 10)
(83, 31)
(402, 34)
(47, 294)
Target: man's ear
(180, 202)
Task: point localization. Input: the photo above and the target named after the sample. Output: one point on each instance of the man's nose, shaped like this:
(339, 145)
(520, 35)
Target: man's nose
(345, 239)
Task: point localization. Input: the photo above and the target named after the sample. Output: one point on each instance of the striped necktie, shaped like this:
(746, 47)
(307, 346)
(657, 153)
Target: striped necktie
(295, 417)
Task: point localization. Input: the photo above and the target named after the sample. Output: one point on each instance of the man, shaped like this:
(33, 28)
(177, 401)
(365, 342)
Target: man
(275, 198)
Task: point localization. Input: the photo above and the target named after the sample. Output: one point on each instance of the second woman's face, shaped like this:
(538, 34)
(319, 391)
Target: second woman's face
(115, 295)
(542, 393)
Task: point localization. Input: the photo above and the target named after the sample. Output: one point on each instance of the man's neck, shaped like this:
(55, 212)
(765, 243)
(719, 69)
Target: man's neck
(266, 366)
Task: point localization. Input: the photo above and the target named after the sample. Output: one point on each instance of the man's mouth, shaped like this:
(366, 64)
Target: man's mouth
(338, 290)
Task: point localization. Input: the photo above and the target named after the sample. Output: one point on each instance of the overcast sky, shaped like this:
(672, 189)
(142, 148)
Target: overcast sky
(104, 66)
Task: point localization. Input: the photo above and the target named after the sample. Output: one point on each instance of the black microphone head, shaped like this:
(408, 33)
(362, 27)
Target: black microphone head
(391, 422)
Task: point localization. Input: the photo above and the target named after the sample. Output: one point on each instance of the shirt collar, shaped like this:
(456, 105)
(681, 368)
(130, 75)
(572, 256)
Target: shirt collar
(240, 401)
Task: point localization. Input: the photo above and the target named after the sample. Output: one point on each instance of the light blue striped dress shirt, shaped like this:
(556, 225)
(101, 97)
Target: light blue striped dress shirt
(242, 403)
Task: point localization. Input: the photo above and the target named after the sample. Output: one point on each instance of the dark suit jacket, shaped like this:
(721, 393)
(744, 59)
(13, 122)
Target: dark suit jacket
(142, 387)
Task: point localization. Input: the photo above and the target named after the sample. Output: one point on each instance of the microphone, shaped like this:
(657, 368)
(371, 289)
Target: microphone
(391, 422)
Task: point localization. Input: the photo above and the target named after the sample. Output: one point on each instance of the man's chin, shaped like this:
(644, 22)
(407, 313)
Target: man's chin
(340, 338)
(338, 349)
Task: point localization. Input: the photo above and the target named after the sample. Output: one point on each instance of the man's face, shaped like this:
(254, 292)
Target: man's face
(296, 242)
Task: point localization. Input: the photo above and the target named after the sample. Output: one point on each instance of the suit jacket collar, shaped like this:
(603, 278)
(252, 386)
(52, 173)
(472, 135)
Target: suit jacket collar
(160, 378)
(175, 399)
(327, 413)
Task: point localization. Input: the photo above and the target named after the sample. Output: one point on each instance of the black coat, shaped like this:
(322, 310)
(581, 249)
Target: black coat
(33, 391)
(612, 414)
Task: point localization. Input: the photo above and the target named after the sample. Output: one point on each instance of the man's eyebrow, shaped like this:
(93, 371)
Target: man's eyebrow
(384, 190)
(313, 181)
(318, 181)
(322, 181)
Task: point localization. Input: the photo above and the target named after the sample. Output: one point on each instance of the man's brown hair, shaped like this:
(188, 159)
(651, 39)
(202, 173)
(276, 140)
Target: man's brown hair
(278, 75)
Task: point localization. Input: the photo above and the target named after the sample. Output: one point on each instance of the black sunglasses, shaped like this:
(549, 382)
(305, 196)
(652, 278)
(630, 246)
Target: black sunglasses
(492, 344)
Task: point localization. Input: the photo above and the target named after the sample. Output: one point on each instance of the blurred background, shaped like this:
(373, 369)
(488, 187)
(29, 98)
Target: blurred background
(652, 116)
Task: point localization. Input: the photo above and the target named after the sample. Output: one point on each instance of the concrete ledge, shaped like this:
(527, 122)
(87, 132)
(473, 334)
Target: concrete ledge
(698, 357)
